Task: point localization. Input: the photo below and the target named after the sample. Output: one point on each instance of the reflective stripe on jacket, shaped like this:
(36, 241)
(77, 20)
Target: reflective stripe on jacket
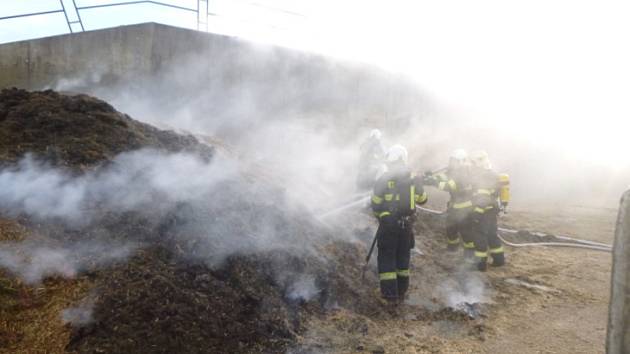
(389, 199)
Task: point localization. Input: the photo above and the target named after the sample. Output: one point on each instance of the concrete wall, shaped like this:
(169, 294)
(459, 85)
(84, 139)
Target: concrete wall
(40, 63)
(618, 336)
(220, 75)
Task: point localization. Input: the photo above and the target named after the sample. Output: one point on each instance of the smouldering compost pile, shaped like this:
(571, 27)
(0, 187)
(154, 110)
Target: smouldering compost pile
(182, 251)
(118, 237)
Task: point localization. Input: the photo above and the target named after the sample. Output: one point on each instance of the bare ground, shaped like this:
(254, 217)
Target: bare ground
(546, 300)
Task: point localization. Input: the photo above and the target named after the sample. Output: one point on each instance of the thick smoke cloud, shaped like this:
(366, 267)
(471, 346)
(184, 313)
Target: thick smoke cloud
(266, 103)
(208, 210)
(132, 181)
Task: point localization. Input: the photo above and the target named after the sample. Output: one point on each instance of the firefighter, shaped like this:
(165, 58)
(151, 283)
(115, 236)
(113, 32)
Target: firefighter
(488, 196)
(395, 197)
(456, 181)
(371, 160)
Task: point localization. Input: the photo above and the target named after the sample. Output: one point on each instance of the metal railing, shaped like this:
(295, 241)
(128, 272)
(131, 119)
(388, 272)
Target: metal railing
(202, 11)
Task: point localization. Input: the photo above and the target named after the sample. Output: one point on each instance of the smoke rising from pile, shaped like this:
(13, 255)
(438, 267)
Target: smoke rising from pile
(464, 288)
(33, 262)
(291, 119)
(468, 288)
(211, 209)
(304, 116)
(80, 315)
(133, 181)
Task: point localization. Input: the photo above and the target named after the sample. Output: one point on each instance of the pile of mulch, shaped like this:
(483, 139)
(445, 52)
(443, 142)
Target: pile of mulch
(29, 316)
(77, 131)
(168, 298)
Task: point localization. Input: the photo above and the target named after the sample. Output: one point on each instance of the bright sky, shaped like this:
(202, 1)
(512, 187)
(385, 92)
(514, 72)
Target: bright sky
(553, 72)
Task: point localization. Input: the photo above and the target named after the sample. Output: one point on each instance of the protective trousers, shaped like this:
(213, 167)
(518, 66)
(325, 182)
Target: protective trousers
(394, 252)
(485, 236)
(458, 224)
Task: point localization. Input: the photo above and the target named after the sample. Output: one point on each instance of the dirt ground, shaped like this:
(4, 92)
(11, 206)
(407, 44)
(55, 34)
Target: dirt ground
(546, 300)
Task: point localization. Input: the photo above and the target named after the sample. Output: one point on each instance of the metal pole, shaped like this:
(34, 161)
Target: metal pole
(369, 255)
(31, 14)
(66, 14)
(618, 335)
(207, 15)
(78, 15)
(136, 3)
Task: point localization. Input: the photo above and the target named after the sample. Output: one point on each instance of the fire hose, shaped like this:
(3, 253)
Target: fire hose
(350, 205)
(574, 242)
(571, 241)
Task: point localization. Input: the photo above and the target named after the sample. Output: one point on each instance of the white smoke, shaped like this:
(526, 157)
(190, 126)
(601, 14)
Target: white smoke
(79, 315)
(304, 289)
(132, 181)
(213, 209)
(33, 262)
(80, 81)
(465, 287)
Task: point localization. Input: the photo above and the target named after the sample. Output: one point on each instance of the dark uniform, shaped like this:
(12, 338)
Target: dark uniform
(372, 153)
(457, 183)
(394, 202)
(486, 186)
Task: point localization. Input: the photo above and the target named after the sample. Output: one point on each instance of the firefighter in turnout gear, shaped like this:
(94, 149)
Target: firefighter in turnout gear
(371, 160)
(456, 181)
(490, 193)
(394, 201)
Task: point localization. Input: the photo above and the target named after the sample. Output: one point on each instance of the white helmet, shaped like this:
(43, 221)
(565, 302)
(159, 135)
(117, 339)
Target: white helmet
(375, 133)
(479, 158)
(397, 153)
(458, 158)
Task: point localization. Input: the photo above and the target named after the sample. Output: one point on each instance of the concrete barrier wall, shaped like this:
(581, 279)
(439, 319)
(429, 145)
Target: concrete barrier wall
(40, 63)
(618, 336)
(220, 75)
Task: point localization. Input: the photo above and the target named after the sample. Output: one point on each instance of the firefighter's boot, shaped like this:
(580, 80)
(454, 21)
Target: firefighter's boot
(481, 263)
(498, 259)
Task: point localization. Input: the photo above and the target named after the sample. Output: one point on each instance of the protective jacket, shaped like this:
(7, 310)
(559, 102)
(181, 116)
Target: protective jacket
(371, 150)
(485, 190)
(457, 183)
(394, 201)
(370, 163)
(396, 195)
(486, 185)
